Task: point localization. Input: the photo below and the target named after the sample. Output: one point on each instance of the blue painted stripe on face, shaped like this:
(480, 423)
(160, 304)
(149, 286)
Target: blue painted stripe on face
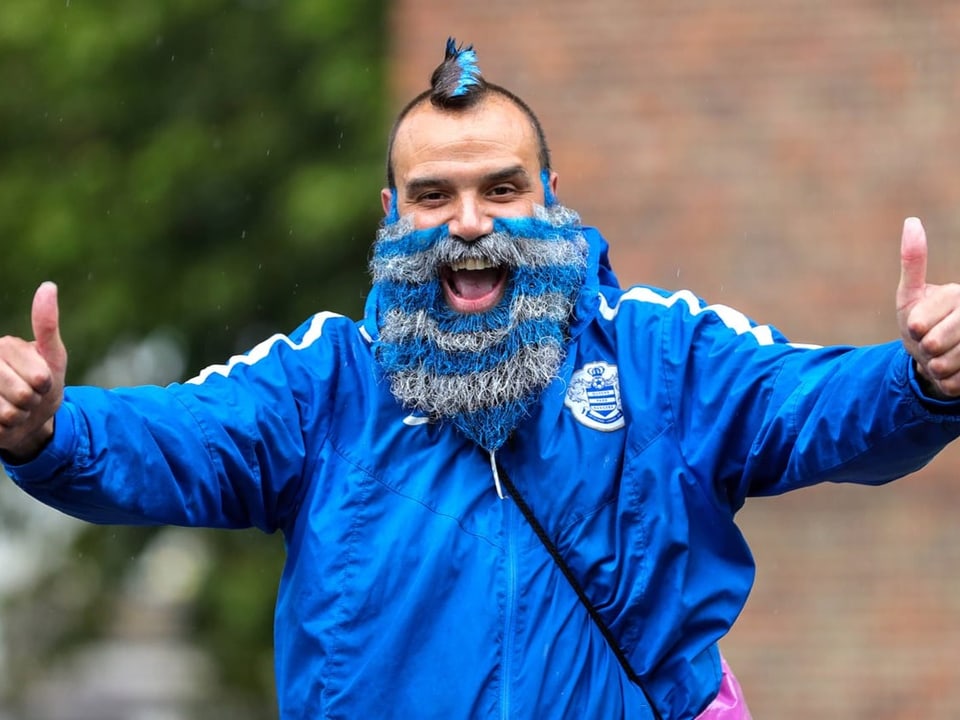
(393, 213)
(418, 241)
(415, 241)
(537, 229)
(549, 199)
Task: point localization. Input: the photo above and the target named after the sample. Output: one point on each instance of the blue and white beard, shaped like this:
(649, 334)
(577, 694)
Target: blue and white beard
(480, 371)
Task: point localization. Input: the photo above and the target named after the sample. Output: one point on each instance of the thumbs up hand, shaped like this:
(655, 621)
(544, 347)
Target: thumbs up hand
(32, 375)
(928, 316)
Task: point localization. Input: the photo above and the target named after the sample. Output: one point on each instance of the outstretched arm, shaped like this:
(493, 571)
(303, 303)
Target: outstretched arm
(32, 376)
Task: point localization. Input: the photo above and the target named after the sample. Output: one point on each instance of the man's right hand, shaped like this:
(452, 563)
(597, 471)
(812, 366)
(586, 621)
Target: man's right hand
(32, 375)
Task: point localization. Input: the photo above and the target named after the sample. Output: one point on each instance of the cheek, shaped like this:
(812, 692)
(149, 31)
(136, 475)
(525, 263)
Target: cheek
(426, 219)
(519, 209)
(422, 221)
(524, 209)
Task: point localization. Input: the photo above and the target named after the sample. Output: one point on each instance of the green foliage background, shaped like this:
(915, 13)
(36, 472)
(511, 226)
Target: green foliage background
(210, 167)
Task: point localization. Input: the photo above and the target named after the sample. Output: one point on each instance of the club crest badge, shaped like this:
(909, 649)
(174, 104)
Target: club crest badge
(594, 397)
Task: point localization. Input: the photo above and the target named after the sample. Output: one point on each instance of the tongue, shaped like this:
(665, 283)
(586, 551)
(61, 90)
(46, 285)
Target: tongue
(475, 284)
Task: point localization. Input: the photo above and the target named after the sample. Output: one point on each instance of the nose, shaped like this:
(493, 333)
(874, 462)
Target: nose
(470, 221)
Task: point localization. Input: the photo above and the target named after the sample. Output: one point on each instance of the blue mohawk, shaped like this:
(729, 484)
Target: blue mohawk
(466, 59)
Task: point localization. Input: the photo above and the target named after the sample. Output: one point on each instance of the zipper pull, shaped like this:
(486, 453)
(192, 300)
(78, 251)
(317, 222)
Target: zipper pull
(496, 475)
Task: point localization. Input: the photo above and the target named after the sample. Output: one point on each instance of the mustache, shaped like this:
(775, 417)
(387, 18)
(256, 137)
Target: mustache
(551, 238)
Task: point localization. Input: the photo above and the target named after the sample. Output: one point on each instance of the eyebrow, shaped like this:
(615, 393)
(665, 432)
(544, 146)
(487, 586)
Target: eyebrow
(514, 172)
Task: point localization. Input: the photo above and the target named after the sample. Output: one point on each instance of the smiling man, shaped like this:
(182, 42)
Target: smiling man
(469, 263)
(509, 491)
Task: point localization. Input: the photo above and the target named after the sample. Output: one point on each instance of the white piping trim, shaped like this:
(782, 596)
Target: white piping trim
(261, 351)
(733, 319)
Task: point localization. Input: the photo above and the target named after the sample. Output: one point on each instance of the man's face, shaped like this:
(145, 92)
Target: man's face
(476, 283)
(464, 169)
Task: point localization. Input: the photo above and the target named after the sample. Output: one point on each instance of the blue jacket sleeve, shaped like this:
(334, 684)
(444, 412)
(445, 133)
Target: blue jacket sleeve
(226, 449)
(760, 416)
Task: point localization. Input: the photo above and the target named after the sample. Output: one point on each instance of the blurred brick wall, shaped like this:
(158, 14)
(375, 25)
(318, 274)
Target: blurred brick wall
(764, 154)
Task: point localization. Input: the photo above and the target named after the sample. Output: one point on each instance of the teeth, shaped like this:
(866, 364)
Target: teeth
(471, 264)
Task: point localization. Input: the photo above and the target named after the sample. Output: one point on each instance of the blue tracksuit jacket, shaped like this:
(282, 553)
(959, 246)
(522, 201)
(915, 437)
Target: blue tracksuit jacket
(411, 590)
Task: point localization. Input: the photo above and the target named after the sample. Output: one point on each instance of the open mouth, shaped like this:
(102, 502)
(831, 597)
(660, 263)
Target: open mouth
(473, 285)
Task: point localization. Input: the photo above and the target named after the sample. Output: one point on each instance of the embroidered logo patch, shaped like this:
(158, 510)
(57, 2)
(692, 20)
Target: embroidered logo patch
(594, 397)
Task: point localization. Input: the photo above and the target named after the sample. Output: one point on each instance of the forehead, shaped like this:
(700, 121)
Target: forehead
(495, 133)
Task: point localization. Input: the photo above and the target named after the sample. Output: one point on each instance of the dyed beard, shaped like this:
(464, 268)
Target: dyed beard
(480, 371)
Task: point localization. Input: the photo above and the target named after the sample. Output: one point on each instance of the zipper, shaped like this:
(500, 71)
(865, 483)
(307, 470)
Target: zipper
(510, 609)
(496, 474)
(524, 510)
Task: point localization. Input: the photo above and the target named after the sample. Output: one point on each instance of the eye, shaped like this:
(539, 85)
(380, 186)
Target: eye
(431, 197)
(502, 191)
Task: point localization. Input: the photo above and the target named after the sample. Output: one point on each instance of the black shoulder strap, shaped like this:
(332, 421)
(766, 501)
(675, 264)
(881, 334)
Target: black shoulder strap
(575, 584)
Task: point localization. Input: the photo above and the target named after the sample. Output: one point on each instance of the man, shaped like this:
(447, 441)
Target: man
(509, 490)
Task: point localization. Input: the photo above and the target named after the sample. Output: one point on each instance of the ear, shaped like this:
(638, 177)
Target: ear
(553, 181)
(386, 199)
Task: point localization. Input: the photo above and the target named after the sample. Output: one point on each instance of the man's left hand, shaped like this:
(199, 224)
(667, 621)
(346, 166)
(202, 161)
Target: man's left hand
(928, 316)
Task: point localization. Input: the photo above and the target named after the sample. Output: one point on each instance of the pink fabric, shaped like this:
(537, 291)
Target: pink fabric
(729, 704)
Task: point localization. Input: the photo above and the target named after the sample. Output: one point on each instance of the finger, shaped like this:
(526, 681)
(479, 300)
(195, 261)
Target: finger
(913, 263)
(947, 385)
(22, 371)
(11, 415)
(936, 319)
(45, 317)
(21, 387)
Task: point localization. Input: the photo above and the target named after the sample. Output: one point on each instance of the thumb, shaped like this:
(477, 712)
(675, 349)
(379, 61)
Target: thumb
(913, 263)
(45, 317)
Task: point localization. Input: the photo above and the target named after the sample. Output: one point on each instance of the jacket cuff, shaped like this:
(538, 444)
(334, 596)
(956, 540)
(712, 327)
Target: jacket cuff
(930, 402)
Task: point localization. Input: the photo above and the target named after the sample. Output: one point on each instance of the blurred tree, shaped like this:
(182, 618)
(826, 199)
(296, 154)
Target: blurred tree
(208, 168)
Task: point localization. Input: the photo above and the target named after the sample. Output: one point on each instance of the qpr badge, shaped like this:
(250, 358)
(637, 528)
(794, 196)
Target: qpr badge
(594, 397)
